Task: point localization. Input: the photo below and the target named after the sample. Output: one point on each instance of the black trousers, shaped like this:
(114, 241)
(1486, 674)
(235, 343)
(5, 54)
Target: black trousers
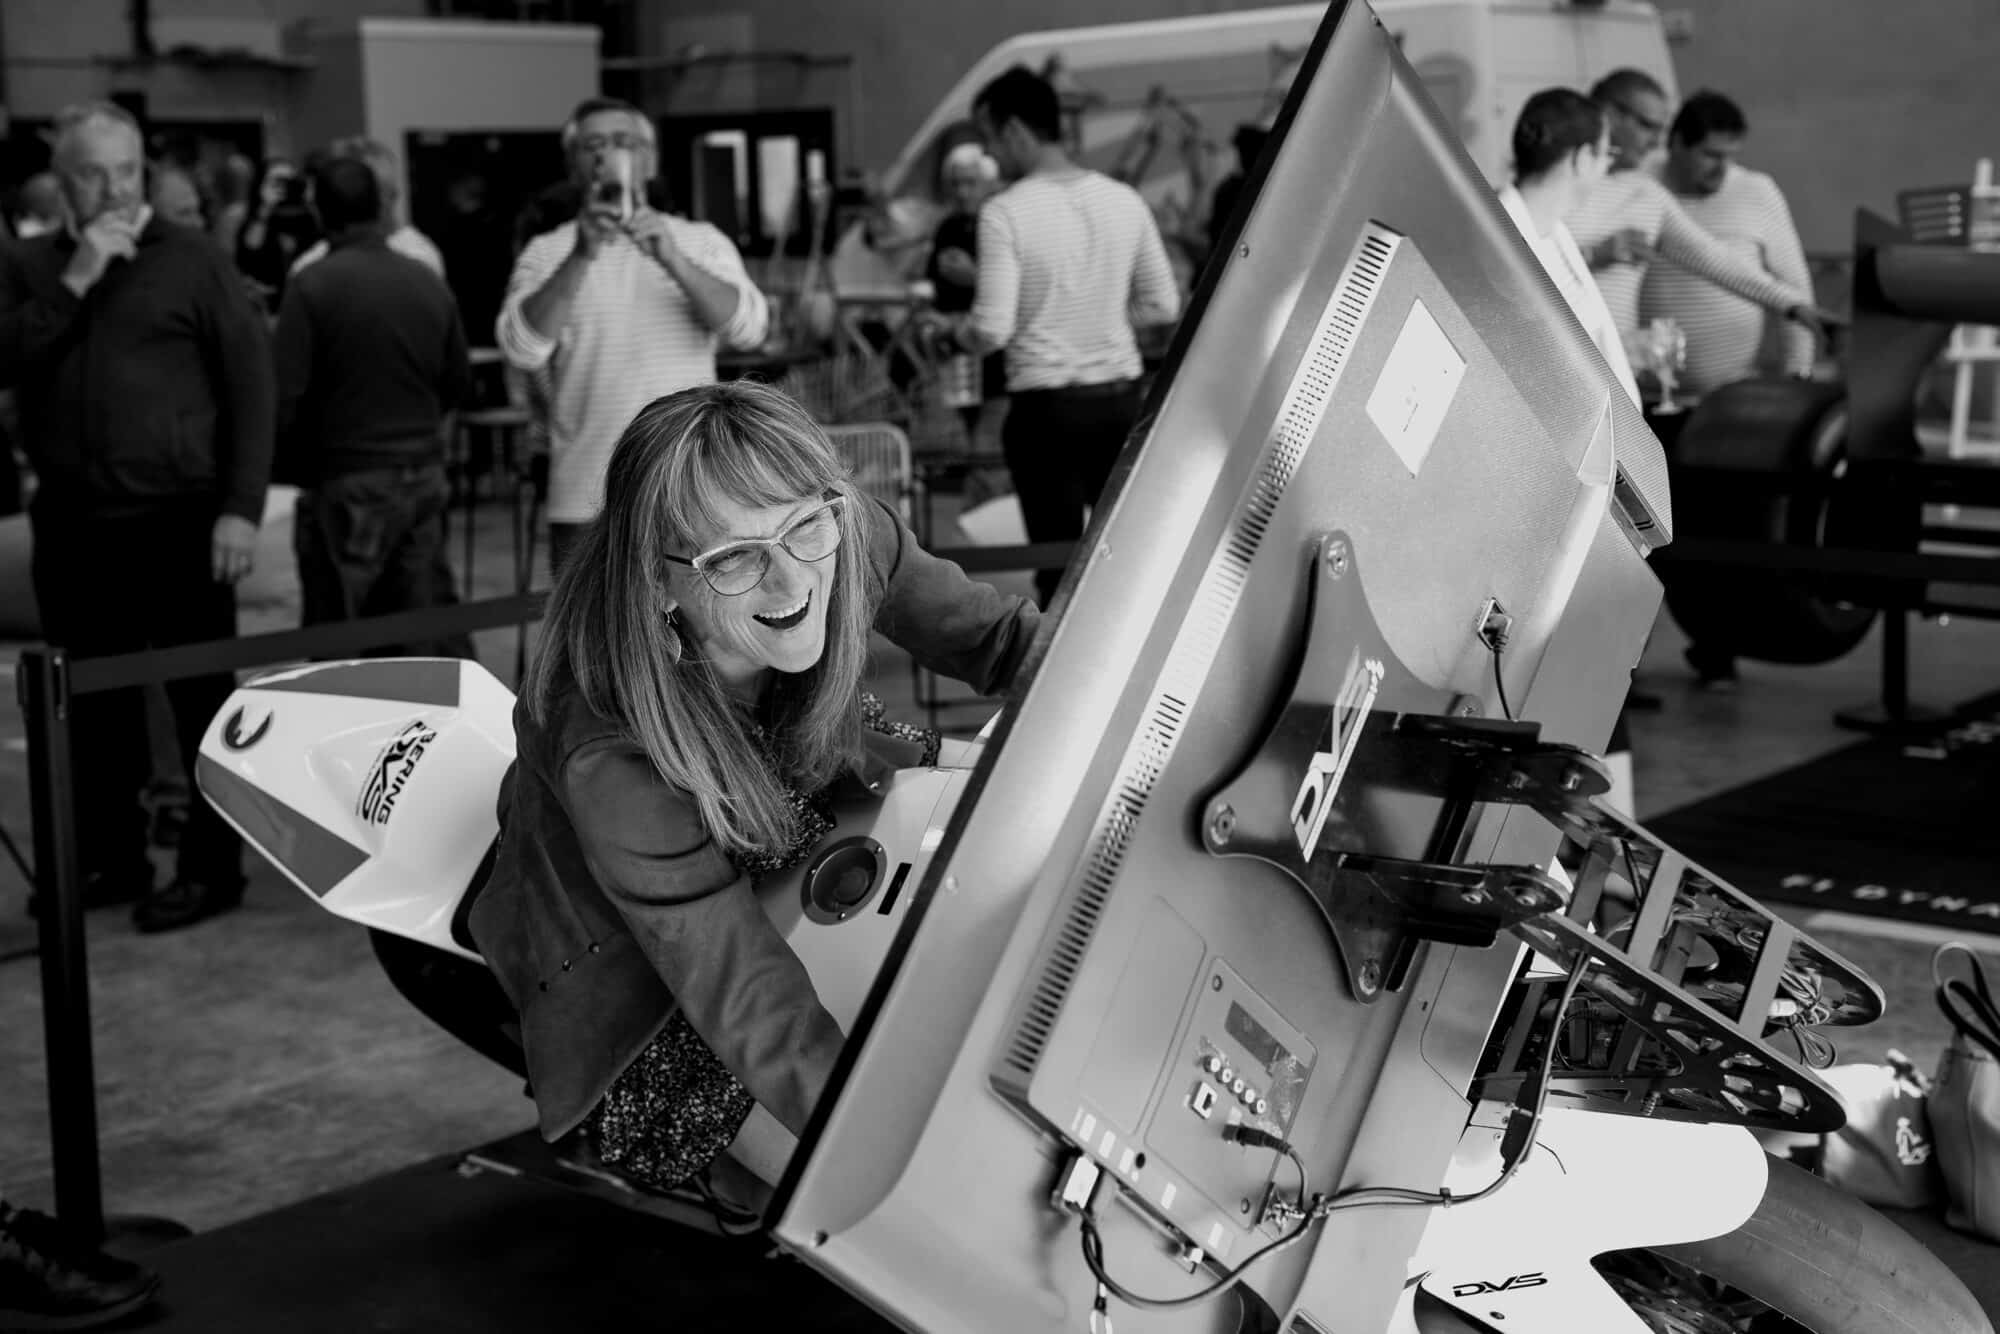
(121, 585)
(1060, 445)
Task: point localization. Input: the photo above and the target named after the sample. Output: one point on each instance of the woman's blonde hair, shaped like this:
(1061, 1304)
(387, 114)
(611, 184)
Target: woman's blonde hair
(608, 629)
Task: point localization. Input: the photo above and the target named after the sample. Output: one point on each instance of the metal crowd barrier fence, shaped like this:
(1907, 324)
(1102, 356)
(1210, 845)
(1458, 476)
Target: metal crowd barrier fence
(49, 681)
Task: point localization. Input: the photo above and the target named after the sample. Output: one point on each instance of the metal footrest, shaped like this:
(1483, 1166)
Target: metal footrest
(1691, 991)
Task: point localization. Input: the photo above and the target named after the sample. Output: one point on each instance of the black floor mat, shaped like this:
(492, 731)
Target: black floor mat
(1887, 828)
(429, 1250)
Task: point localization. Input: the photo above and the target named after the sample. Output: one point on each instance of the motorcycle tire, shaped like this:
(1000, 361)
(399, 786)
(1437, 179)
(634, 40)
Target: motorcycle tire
(1742, 437)
(1816, 1256)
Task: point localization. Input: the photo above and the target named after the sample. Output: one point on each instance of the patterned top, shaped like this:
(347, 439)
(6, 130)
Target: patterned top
(633, 335)
(1636, 201)
(1068, 263)
(674, 1108)
(1725, 333)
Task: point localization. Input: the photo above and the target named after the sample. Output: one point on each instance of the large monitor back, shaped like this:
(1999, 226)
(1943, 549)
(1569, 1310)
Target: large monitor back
(1381, 370)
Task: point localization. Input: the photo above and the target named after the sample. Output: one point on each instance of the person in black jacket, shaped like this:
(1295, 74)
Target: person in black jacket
(371, 357)
(144, 383)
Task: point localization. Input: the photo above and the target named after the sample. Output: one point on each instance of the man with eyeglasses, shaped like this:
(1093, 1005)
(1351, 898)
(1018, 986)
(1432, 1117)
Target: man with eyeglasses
(1630, 218)
(620, 306)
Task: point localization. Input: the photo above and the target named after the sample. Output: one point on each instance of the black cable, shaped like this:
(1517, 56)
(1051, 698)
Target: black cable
(1515, 1141)
(1093, 1244)
(1519, 1134)
(1498, 684)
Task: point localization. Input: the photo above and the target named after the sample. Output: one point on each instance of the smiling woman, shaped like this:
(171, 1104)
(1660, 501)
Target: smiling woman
(697, 699)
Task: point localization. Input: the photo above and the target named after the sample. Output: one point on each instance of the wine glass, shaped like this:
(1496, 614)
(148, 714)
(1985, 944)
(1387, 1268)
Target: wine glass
(1666, 356)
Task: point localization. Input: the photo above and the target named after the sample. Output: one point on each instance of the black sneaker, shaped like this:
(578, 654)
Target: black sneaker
(183, 903)
(50, 1282)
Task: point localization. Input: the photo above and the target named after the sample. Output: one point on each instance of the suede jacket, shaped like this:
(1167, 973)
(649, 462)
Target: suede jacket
(609, 904)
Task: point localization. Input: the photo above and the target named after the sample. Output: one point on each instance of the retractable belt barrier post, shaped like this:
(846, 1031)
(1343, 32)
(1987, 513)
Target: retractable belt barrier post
(49, 682)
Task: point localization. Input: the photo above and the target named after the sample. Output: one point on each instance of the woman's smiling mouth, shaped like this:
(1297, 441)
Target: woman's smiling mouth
(785, 618)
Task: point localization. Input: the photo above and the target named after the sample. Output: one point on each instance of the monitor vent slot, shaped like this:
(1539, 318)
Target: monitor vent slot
(1200, 639)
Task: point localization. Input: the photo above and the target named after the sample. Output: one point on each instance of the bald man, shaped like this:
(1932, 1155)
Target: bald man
(147, 407)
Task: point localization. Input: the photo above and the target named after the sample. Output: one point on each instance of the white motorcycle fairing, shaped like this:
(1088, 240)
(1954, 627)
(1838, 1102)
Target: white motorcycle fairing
(369, 784)
(1519, 1259)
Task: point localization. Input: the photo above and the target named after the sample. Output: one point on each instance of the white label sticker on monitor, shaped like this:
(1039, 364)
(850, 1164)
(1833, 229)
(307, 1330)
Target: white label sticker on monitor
(1416, 388)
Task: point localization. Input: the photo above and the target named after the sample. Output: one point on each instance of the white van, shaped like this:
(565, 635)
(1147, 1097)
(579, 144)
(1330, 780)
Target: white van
(1204, 76)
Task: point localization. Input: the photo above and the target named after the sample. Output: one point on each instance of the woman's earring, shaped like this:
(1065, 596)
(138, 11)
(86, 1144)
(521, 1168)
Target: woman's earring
(673, 636)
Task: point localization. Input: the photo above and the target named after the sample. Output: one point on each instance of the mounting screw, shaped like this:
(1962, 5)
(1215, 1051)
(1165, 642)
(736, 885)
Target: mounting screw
(1474, 896)
(1243, 1205)
(1215, 983)
(1103, 551)
(1243, 251)
(1336, 559)
(820, 1238)
(1221, 824)
(1468, 710)
(951, 884)
(1572, 781)
(1371, 975)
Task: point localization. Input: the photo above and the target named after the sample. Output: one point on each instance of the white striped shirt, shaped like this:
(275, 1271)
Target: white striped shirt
(1069, 262)
(1566, 267)
(1725, 334)
(1636, 201)
(633, 335)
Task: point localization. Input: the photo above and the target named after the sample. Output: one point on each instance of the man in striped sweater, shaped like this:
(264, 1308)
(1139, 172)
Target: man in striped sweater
(1745, 212)
(1069, 262)
(1630, 218)
(617, 308)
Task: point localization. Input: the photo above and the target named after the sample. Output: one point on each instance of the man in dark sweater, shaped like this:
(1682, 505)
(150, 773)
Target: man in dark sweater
(145, 396)
(371, 357)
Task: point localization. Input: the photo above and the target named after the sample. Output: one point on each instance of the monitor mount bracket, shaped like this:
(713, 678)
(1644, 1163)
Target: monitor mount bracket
(1690, 976)
(1345, 753)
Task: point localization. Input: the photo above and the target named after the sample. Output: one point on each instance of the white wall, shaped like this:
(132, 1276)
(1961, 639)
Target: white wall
(473, 76)
(388, 77)
(56, 52)
(1850, 102)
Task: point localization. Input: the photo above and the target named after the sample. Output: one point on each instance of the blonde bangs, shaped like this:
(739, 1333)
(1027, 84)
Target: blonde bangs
(680, 457)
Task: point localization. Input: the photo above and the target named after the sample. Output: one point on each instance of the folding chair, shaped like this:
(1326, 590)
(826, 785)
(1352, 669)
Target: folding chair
(877, 454)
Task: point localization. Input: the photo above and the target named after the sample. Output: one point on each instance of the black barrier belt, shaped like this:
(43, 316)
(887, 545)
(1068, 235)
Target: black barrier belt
(88, 676)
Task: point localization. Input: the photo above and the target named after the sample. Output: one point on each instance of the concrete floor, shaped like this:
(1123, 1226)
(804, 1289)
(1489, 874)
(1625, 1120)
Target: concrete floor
(262, 1058)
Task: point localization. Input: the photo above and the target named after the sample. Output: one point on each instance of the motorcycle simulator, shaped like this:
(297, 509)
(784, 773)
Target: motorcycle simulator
(1272, 961)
